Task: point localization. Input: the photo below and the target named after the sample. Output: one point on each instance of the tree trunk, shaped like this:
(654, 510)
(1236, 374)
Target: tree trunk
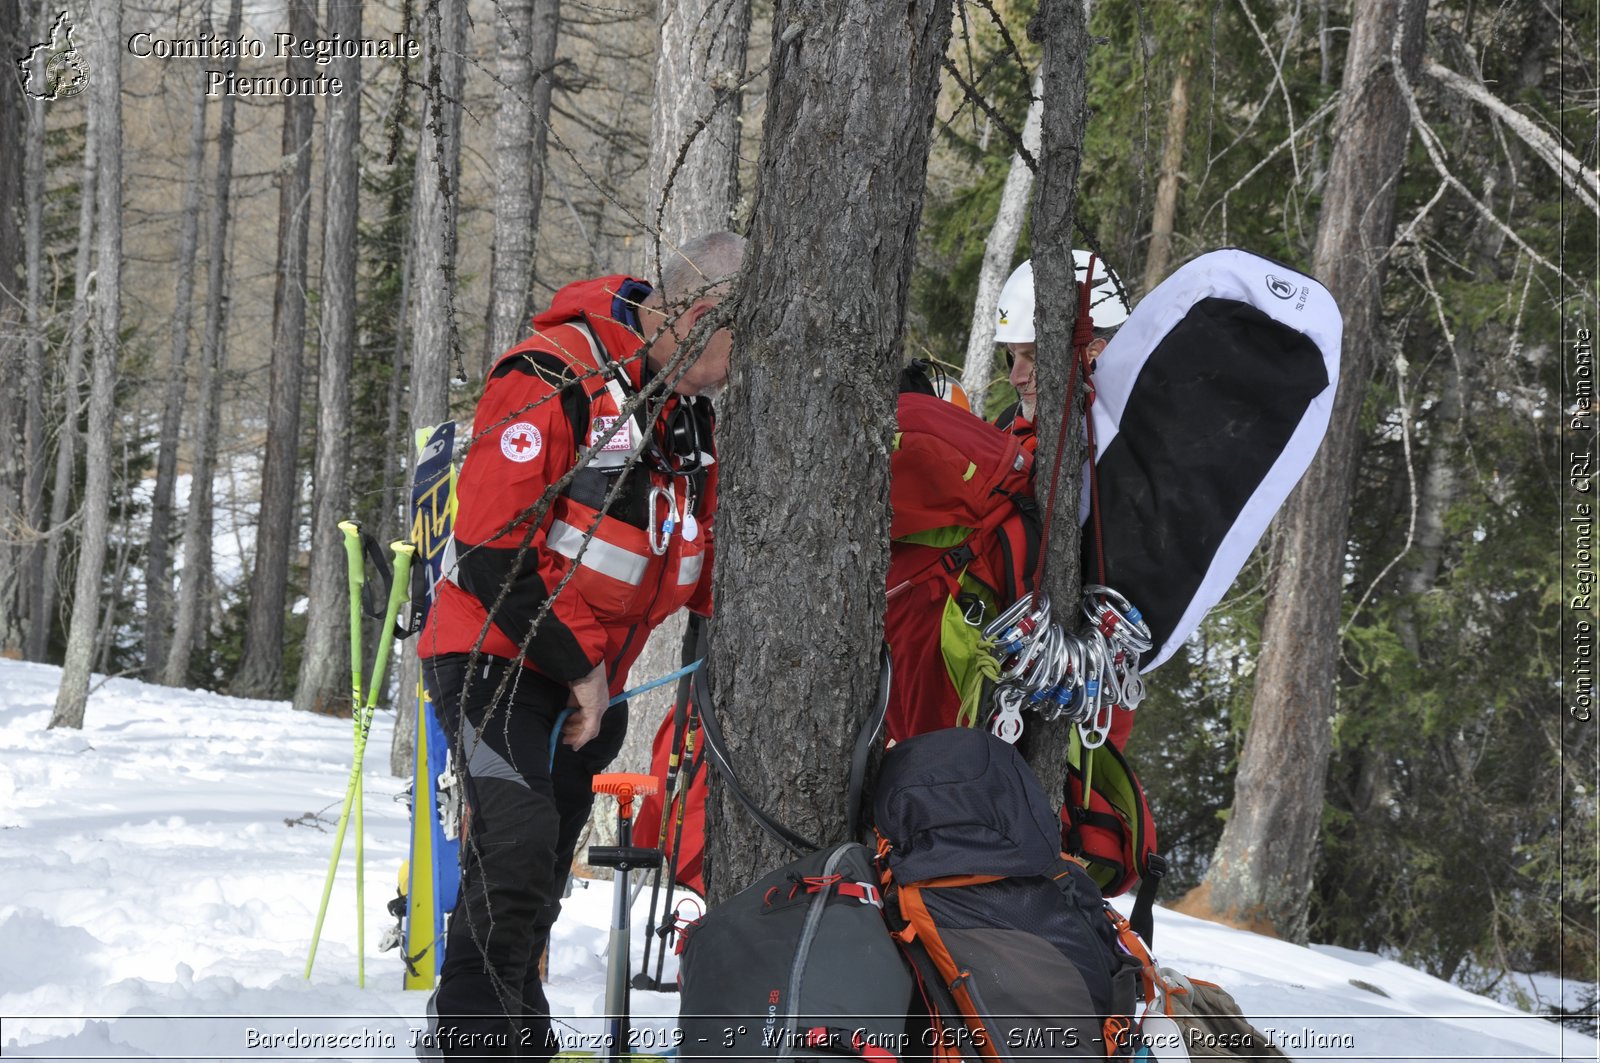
(63, 480)
(527, 31)
(435, 344)
(323, 685)
(435, 341)
(978, 369)
(158, 563)
(14, 29)
(106, 98)
(213, 359)
(698, 69)
(408, 674)
(1260, 875)
(260, 673)
(694, 126)
(801, 562)
(31, 578)
(1437, 491)
(114, 595)
(1166, 210)
(1061, 28)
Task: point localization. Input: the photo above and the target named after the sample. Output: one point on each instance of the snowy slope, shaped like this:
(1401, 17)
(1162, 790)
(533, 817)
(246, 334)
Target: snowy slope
(160, 872)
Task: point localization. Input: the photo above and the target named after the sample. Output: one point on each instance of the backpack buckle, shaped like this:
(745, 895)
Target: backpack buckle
(865, 892)
(957, 558)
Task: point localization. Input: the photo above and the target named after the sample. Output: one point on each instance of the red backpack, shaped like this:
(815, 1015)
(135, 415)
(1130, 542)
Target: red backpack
(964, 541)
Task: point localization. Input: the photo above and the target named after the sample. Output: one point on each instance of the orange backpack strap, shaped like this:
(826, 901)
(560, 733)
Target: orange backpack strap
(1133, 946)
(920, 927)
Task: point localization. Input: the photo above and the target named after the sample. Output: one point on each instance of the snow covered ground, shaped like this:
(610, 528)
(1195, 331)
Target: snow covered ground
(160, 872)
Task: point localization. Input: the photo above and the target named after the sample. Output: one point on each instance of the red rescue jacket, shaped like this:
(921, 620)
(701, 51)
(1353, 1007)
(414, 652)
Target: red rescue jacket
(1011, 420)
(550, 397)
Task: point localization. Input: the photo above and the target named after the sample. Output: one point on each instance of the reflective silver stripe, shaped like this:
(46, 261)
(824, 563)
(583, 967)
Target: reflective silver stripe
(689, 569)
(608, 559)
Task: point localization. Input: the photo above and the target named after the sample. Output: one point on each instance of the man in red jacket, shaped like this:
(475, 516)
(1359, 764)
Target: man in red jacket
(584, 520)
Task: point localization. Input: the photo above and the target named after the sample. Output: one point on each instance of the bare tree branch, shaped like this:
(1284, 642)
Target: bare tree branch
(1582, 181)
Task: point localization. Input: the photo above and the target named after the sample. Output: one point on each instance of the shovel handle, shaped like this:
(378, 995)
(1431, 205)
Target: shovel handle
(625, 787)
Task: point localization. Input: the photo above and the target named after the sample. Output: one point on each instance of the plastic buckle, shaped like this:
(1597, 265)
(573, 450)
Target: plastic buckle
(956, 558)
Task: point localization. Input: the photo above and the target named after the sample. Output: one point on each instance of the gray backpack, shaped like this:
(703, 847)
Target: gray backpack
(798, 965)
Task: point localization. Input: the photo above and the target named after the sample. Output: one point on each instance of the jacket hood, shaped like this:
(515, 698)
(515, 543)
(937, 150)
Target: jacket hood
(610, 298)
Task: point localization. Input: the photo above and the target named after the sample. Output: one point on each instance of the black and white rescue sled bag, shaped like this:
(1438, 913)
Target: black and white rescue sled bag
(1210, 403)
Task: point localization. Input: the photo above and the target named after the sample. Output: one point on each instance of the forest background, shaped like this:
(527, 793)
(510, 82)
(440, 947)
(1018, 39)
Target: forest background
(298, 277)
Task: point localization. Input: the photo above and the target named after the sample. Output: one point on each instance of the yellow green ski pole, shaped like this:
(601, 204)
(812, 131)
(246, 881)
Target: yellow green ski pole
(362, 715)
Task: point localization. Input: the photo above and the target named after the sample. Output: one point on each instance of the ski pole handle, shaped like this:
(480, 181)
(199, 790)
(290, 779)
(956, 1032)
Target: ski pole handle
(358, 579)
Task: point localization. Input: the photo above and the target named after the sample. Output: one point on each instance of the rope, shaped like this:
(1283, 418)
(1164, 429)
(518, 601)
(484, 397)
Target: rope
(1082, 336)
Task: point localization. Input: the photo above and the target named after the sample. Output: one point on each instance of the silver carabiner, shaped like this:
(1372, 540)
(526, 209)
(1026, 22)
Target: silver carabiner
(1128, 628)
(1096, 725)
(658, 546)
(1014, 613)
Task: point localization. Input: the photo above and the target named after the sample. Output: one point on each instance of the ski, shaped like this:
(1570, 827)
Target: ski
(431, 876)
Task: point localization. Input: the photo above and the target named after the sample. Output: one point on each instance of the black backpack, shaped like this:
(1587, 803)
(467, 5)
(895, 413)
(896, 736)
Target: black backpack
(798, 965)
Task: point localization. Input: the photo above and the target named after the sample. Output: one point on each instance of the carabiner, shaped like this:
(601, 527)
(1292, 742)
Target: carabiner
(658, 546)
(972, 609)
(1117, 618)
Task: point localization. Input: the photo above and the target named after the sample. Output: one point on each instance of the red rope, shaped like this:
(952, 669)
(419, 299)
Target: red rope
(1082, 336)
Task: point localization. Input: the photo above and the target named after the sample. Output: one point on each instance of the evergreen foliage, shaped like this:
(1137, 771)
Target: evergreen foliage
(1453, 820)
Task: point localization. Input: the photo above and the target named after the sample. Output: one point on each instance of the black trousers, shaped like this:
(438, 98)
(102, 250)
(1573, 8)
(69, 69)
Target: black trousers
(525, 815)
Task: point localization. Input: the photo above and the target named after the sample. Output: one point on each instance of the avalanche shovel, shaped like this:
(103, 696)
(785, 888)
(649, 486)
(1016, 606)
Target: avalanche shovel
(622, 858)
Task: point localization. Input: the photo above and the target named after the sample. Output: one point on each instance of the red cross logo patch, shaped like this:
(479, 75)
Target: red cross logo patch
(521, 442)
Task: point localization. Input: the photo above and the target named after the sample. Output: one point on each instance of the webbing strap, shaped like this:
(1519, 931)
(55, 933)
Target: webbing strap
(865, 740)
(847, 1042)
(1142, 918)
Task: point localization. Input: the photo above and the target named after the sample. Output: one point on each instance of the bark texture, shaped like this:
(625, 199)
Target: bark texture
(188, 613)
(13, 20)
(435, 344)
(277, 531)
(324, 676)
(1260, 875)
(527, 31)
(694, 127)
(1061, 28)
(35, 432)
(1166, 209)
(67, 438)
(977, 371)
(158, 565)
(106, 98)
(802, 532)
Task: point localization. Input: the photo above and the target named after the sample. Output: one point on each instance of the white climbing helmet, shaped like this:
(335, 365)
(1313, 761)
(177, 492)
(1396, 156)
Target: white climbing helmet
(1014, 314)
